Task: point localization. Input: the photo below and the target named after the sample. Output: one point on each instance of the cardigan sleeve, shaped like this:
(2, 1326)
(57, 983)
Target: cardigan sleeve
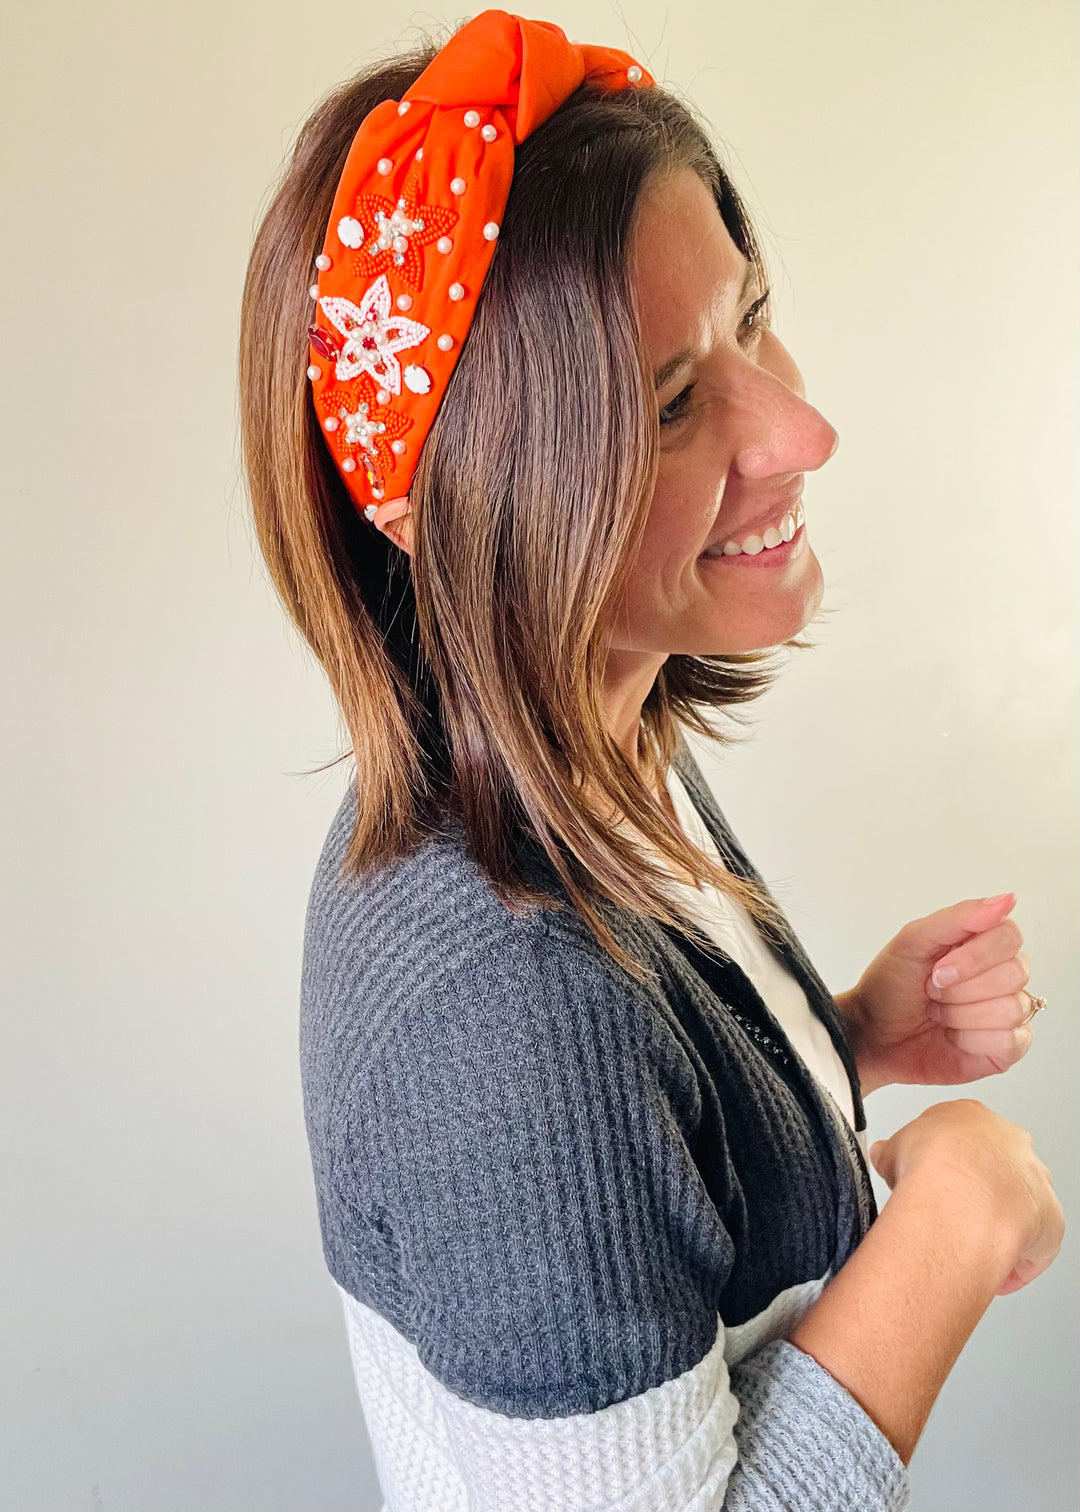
(526, 1134)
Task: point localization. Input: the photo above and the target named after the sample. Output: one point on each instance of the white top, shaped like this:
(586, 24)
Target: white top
(727, 922)
(670, 1449)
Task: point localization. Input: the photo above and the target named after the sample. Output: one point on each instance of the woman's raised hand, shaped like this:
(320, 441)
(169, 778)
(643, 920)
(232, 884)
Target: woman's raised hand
(985, 1159)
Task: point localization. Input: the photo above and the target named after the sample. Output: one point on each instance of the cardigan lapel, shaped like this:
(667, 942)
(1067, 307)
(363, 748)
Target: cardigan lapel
(785, 945)
(858, 1206)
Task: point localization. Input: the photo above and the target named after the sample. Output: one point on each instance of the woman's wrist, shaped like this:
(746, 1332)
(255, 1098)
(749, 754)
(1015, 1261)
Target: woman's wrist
(891, 1323)
(871, 1076)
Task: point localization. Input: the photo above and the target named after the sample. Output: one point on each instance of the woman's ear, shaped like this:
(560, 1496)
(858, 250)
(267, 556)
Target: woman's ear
(400, 532)
(394, 519)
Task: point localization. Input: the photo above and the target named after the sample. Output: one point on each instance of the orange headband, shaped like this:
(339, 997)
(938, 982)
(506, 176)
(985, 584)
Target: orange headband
(413, 230)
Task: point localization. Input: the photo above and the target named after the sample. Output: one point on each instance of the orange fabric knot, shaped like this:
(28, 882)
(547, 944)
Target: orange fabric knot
(413, 229)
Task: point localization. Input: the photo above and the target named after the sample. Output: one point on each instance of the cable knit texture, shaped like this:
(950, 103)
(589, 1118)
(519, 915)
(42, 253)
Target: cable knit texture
(552, 1182)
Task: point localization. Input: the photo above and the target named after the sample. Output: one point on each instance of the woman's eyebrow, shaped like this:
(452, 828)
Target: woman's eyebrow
(668, 369)
(672, 366)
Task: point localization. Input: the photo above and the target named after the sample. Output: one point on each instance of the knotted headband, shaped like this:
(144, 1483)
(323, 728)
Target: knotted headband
(412, 233)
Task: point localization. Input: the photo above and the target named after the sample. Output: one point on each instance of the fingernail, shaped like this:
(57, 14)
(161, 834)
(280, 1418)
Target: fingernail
(999, 899)
(944, 976)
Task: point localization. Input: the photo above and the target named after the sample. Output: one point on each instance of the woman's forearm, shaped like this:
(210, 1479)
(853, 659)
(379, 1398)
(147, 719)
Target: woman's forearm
(890, 1325)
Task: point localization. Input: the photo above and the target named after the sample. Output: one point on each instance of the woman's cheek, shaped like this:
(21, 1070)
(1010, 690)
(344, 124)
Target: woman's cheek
(675, 529)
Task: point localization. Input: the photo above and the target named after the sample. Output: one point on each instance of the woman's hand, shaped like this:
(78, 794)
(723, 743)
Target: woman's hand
(905, 1026)
(982, 1158)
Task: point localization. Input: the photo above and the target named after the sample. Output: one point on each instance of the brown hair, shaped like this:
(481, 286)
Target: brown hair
(469, 676)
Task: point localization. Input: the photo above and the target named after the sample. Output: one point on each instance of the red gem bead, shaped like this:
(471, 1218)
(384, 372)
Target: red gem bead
(323, 343)
(371, 472)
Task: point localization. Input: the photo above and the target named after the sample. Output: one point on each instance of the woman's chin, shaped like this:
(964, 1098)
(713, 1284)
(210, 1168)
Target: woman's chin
(766, 611)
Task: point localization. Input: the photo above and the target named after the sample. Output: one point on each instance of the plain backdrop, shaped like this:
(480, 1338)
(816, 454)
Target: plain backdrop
(171, 1339)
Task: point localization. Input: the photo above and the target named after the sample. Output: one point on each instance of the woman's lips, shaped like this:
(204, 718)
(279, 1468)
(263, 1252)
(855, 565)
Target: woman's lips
(789, 503)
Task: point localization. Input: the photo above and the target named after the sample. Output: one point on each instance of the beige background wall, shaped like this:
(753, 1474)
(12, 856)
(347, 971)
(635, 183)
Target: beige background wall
(171, 1340)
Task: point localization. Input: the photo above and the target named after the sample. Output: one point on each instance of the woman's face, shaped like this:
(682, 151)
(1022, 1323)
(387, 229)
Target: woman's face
(736, 438)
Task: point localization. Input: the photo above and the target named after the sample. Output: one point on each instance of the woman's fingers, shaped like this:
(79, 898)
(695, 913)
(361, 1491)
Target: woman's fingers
(1002, 1047)
(982, 952)
(1006, 1012)
(997, 980)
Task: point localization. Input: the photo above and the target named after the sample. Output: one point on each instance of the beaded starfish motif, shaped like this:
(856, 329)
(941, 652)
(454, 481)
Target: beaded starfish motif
(372, 335)
(362, 428)
(399, 230)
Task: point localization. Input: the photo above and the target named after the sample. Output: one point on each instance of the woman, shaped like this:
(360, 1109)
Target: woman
(586, 1126)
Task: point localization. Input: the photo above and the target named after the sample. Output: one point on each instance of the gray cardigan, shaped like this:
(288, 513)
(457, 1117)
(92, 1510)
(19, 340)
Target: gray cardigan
(553, 1180)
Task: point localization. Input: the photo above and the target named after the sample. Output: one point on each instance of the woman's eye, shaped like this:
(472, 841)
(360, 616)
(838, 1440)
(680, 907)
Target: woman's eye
(678, 409)
(753, 323)
(755, 318)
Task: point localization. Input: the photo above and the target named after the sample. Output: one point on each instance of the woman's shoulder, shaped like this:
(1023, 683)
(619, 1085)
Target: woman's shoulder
(439, 877)
(435, 908)
(410, 923)
(425, 939)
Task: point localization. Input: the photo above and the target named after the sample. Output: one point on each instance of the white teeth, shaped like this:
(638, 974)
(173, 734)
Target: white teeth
(767, 541)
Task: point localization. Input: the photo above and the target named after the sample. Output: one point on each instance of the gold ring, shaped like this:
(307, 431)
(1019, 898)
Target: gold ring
(1036, 1004)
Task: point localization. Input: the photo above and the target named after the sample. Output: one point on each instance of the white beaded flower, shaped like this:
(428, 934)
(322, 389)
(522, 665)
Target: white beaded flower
(372, 335)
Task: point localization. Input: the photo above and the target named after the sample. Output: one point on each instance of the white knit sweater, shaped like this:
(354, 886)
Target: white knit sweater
(669, 1449)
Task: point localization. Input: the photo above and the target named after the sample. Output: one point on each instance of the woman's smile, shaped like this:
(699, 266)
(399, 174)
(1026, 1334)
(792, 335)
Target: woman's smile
(764, 534)
(759, 554)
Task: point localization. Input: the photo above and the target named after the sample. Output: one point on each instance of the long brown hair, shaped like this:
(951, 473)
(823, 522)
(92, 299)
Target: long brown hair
(469, 676)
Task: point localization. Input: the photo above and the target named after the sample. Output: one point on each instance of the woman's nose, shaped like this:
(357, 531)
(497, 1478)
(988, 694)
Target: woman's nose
(782, 433)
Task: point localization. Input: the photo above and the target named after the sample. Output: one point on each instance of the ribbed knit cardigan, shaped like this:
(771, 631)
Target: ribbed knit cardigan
(554, 1181)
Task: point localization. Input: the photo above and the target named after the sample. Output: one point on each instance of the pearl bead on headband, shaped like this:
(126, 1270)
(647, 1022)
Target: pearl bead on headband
(413, 230)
